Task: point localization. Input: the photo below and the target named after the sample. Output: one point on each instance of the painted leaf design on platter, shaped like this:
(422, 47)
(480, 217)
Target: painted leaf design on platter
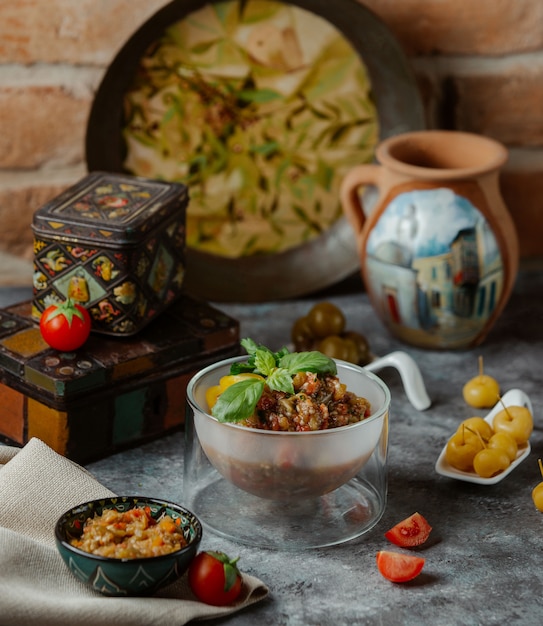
(260, 108)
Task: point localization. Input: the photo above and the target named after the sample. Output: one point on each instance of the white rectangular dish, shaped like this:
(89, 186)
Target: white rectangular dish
(514, 397)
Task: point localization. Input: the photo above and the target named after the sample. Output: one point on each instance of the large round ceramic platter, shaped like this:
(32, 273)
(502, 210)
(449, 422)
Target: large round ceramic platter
(260, 107)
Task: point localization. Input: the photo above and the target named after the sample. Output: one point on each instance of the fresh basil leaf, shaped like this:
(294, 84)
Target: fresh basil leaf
(251, 347)
(258, 352)
(278, 355)
(241, 367)
(313, 361)
(280, 380)
(264, 362)
(238, 401)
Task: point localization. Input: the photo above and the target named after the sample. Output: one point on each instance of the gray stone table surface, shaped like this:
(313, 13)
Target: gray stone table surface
(484, 558)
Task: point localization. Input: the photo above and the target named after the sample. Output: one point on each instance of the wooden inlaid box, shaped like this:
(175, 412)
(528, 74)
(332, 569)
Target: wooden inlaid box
(114, 392)
(116, 245)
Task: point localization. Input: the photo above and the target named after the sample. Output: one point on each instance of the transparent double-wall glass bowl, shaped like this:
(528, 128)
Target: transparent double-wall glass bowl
(287, 490)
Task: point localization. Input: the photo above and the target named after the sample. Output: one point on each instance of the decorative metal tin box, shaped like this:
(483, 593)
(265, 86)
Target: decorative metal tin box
(115, 244)
(114, 392)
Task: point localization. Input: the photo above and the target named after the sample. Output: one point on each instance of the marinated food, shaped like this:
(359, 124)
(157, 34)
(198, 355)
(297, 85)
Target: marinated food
(319, 403)
(131, 534)
(284, 391)
(304, 425)
(291, 478)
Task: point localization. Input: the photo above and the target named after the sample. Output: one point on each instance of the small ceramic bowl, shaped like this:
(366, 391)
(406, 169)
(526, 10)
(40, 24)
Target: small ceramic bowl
(126, 577)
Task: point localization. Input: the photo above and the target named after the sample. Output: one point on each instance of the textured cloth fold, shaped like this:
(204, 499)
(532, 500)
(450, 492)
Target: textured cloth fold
(37, 486)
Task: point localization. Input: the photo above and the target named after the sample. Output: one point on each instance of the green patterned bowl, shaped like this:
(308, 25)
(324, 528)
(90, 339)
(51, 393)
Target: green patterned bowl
(126, 577)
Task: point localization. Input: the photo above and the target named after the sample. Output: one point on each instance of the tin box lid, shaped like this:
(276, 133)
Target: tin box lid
(110, 208)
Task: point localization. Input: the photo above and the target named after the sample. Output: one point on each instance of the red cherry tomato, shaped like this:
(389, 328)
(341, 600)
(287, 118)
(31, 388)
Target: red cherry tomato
(410, 532)
(214, 578)
(65, 326)
(399, 568)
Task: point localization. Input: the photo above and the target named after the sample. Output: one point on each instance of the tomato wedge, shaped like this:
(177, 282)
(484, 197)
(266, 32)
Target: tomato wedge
(410, 532)
(399, 568)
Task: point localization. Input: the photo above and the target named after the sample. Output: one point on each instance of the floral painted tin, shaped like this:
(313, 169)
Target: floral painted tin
(114, 392)
(115, 244)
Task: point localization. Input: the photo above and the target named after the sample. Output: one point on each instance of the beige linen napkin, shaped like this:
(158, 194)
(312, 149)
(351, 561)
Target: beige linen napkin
(36, 486)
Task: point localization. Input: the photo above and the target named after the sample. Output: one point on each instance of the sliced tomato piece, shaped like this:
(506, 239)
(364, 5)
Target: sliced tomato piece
(410, 532)
(399, 568)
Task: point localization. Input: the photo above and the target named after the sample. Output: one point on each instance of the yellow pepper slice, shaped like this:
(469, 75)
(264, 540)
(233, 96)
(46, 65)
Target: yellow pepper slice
(212, 393)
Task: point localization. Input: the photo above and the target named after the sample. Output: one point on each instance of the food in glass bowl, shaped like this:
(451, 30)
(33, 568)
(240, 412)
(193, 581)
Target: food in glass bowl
(245, 444)
(285, 391)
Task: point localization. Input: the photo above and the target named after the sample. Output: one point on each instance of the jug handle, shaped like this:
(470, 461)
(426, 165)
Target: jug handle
(349, 196)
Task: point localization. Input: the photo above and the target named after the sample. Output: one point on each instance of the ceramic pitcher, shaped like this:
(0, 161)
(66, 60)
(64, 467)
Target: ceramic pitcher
(438, 250)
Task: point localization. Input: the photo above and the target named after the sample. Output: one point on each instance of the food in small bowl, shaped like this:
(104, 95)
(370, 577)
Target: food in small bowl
(286, 426)
(128, 545)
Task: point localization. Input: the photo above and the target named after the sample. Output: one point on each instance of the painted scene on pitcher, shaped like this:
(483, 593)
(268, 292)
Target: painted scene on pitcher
(434, 268)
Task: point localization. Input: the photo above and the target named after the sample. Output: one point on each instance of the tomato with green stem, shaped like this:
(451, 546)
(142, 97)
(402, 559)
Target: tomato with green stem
(397, 567)
(410, 532)
(215, 578)
(65, 326)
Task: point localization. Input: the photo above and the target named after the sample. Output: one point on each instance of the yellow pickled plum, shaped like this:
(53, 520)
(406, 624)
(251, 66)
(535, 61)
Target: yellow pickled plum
(516, 421)
(537, 496)
(462, 448)
(478, 447)
(504, 441)
(490, 461)
(477, 426)
(482, 391)
(537, 491)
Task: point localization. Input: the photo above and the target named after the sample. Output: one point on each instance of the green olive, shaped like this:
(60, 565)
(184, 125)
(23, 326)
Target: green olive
(325, 319)
(352, 351)
(362, 345)
(301, 335)
(335, 347)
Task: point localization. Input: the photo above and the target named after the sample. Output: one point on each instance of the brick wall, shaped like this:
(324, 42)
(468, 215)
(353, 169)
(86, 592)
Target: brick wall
(480, 69)
(479, 66)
